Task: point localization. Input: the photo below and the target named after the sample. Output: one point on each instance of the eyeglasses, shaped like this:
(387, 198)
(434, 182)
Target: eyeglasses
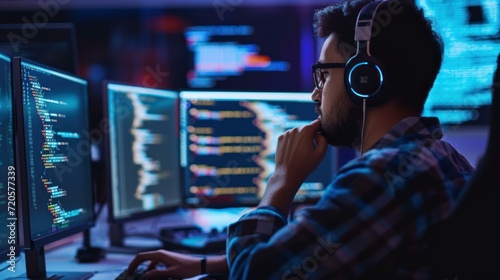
(319, 75)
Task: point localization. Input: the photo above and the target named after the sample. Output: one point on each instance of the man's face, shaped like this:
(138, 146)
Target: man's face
(340, 118)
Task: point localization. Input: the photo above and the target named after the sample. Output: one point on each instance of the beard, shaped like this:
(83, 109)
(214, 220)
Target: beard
(342, 125)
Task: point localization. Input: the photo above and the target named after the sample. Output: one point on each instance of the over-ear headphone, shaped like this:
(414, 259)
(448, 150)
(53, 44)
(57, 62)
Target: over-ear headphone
(364, 74)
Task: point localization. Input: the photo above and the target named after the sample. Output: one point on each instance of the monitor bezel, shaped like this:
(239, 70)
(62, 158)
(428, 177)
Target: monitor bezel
(5, 251)
(107, 158)
(25, 232)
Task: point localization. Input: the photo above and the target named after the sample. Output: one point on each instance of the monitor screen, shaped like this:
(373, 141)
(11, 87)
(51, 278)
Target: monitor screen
(471, 33)
(53, 44)
(8, 226)
(52, 157)
(232, 50)
(228, 143)
(143, 151)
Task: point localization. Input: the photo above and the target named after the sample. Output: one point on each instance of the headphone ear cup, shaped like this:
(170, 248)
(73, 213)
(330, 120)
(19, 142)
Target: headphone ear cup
(363, 80)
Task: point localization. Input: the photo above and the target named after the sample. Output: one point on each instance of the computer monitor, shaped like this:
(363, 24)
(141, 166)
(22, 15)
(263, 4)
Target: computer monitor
(141, 154)
(251, 48)
(53, 177)
(9, 247)
(53, 44)
(461, 95)
(228, 144)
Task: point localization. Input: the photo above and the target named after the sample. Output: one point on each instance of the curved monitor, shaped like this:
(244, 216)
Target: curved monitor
(54, 180)
(228, 144)
(142, 154)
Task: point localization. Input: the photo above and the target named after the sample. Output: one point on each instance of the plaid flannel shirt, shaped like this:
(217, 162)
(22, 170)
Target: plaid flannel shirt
(378, 208)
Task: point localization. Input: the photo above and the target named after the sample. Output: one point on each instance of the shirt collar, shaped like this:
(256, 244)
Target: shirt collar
(426, 127)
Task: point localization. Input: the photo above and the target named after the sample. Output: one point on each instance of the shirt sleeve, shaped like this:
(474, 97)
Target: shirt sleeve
(358, 222)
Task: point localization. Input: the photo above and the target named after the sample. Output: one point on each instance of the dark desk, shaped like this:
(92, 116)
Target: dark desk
(60, 256)
(62, 259)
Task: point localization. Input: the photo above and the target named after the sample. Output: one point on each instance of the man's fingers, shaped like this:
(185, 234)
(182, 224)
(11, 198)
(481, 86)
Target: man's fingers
(314, 125)
(152, 265)
(321, 142)
(140, 258)
(158, 274)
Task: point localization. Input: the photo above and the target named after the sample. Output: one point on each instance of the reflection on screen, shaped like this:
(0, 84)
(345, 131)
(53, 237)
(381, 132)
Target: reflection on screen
(228, 144)
(144, 156)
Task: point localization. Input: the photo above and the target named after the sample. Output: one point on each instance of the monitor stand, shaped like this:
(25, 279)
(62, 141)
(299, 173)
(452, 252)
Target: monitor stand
(36, 270)
(87, 253)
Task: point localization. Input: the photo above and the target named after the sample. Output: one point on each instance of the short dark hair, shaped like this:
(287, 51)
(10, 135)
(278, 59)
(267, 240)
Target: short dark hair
(405, 43)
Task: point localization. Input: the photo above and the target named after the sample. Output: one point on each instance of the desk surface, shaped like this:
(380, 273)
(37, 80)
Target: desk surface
(61, 257)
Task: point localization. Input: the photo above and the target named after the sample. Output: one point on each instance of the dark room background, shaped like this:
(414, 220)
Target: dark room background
(156, 43)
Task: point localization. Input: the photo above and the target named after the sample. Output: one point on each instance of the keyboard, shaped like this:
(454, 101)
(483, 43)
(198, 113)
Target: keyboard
(140, 272)
(193, 239)
(137, 275)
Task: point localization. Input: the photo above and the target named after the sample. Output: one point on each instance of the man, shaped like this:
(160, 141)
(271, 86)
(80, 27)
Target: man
(375, 217)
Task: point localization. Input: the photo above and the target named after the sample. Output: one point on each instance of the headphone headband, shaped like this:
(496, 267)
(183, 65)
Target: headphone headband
(364, 23)
(364, 74)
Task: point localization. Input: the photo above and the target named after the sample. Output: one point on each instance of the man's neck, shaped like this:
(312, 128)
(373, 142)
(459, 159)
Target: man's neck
(380, 120)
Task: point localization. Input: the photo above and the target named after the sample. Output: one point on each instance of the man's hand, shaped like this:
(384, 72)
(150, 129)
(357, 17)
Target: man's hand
(299, 152)
(177, 265)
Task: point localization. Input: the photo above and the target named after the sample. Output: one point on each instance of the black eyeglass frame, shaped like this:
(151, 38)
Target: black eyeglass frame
(319, 81)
